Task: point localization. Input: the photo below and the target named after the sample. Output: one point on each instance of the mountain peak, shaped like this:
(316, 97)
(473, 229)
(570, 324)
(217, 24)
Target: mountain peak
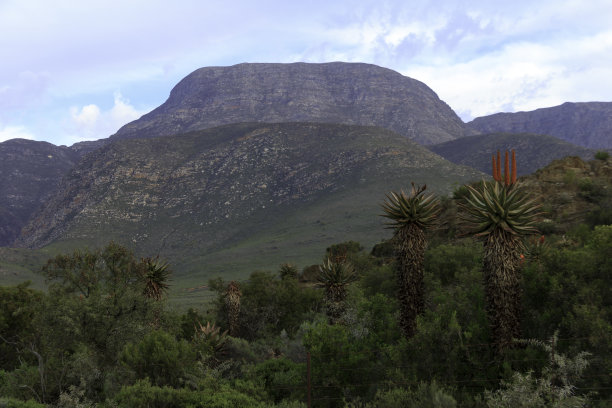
(334, 92)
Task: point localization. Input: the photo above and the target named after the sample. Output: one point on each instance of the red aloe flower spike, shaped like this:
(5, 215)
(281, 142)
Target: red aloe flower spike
(498, 166)
(506, 170)
(494, 168)
(513, 179)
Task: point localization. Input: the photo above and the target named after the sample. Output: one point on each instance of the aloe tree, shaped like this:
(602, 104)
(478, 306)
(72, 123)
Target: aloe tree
(335, 277)
(410, 215)
(500, 213)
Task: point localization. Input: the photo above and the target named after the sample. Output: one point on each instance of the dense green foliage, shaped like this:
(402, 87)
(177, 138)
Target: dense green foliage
(96, 337)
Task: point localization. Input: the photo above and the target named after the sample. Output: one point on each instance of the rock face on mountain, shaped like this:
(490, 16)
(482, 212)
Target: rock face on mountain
(238, 191)
(29, 172)
(345, 93)
(532, 151)
(587, 124)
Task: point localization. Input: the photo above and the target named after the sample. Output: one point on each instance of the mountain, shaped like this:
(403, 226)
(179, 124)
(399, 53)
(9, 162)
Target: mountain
(29, 172)
(587, 124)
(345, 93)
(238, 197)
(532, 151)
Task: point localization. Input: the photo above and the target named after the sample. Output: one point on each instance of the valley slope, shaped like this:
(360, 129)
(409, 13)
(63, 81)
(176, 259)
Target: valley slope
(30, 172)
(238, 197)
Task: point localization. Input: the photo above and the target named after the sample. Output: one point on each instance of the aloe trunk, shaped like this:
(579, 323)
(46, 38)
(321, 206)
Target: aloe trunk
(232, 299)
(410, 246)
(502, 282)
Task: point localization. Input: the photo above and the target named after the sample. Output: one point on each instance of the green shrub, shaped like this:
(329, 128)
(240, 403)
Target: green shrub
(424, 396)
(143, 394)
(602, 155)
(14, 403)
(282, 378)
(159, 357)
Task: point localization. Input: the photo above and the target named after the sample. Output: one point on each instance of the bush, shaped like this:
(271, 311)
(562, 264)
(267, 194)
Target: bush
(160, 358)
(143, 394)
(424, 396)
(13, 403)
(602, 155)
(282, 378)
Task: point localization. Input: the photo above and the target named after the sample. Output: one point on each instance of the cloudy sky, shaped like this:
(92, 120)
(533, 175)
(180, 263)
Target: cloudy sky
(73, 71)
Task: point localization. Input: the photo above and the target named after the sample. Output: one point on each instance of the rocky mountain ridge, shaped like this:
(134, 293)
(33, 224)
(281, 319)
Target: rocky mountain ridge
(587, 124)
(532, 151)
(336, 92)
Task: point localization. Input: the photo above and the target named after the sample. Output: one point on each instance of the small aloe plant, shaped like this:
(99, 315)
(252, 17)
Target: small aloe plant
(209, 340)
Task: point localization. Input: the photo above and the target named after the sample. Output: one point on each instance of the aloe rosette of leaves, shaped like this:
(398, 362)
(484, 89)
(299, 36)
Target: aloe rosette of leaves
(410, 215)
(335, 277)
(501, 213)
(209, 341)
(155, 276)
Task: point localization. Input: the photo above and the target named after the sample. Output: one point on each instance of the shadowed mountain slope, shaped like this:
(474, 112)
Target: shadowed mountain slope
(29, 172)
(532, 151)
(587, 124)
(345, 93)
(238, 197)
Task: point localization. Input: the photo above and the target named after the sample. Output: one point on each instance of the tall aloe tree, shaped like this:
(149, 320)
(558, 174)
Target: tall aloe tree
(500, 213)
(335, 277)
(410, 215)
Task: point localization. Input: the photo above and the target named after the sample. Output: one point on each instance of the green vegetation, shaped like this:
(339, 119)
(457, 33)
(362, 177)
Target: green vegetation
(97, 338)
(104, 333)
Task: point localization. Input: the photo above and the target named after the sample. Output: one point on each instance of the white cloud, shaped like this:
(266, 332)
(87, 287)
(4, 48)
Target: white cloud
(91, 123)
(86, 117)
(14, 132)
(524, 76)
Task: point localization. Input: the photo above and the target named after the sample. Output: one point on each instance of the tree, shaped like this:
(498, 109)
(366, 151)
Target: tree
(410, 215)
(500, 213)
(18, 307)
(160, 358)
(96, 304)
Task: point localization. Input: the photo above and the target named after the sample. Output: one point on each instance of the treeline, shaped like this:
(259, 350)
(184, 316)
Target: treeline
(101, 337)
